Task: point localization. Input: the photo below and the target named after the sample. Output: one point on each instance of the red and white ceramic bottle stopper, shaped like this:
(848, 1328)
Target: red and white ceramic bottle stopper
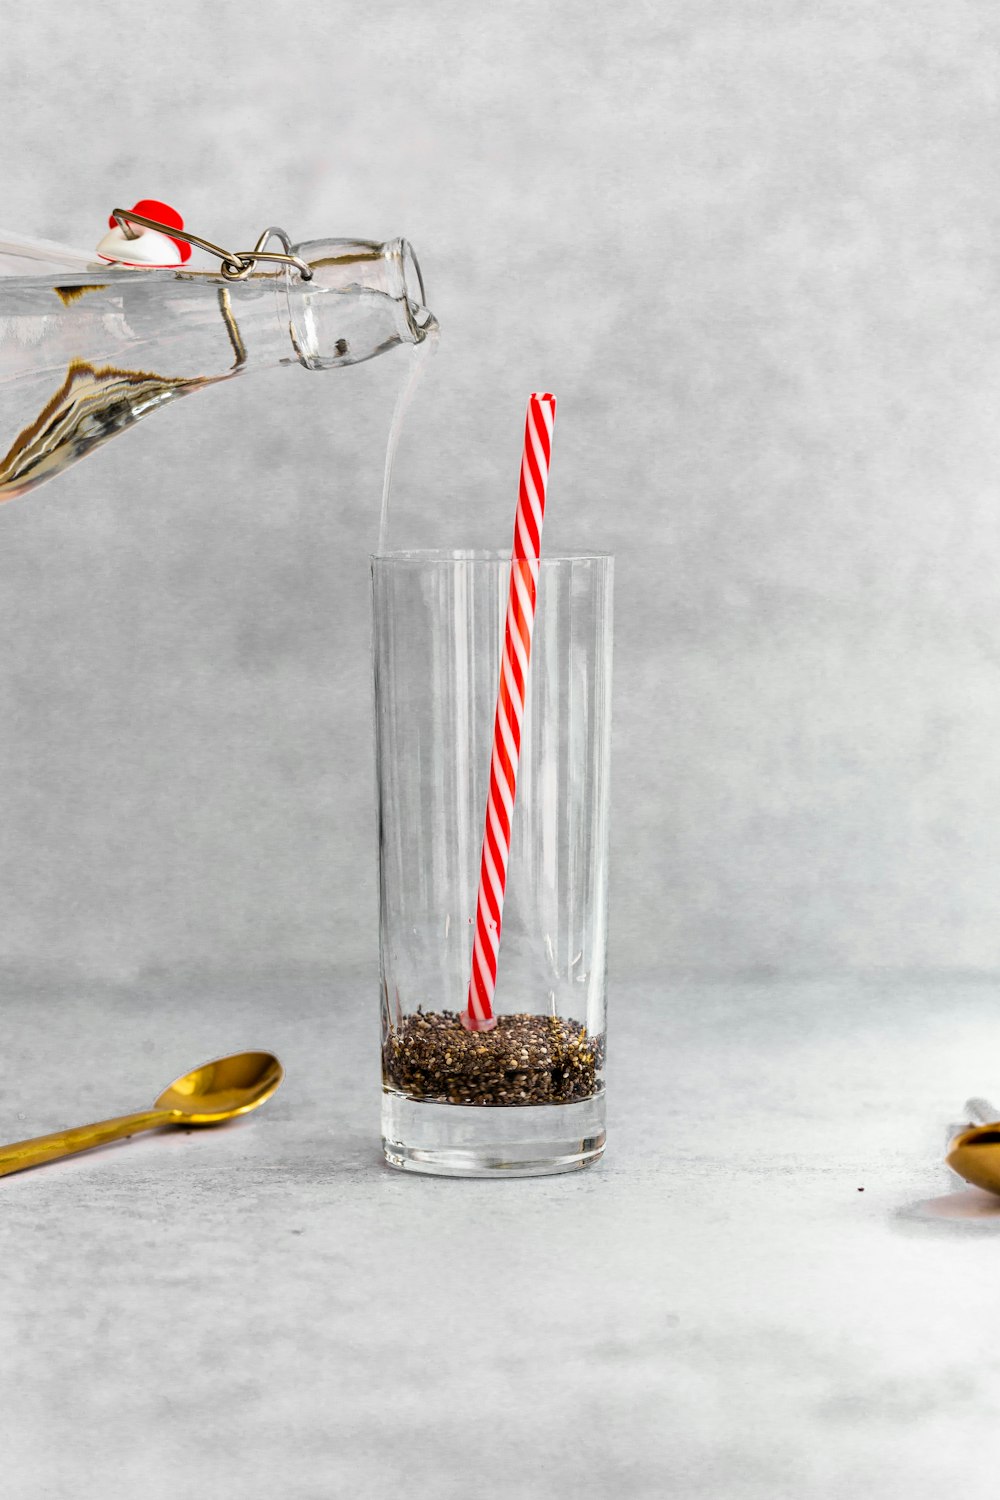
(137, 245)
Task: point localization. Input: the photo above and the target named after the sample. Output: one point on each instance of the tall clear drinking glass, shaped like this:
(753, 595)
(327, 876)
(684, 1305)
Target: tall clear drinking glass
(527, 1097)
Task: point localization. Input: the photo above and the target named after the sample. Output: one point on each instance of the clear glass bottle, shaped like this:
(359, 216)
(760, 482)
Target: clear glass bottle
(87, 349)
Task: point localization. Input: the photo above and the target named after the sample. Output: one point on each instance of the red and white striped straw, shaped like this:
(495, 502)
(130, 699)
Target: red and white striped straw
(511, 694)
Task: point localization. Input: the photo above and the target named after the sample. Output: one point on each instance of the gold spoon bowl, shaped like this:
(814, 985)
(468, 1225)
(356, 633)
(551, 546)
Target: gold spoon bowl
(975, 1155)
(217, 1091)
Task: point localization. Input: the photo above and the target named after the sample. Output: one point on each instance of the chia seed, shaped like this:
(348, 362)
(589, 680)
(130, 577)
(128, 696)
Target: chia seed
(526, 1059)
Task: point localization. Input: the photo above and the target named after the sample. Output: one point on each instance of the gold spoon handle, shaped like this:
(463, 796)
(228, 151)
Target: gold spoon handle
(42, 1148)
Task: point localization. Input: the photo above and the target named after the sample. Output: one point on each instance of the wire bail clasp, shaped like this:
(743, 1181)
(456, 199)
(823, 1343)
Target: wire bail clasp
(237, 265)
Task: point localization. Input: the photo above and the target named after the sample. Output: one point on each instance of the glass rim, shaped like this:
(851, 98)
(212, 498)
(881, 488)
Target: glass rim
(441, 556)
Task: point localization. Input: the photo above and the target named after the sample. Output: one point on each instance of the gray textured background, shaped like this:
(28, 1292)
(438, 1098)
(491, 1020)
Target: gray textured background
(753, 250)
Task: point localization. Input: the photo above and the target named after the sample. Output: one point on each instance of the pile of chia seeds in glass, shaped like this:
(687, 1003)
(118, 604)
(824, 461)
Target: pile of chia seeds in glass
(525, 1060)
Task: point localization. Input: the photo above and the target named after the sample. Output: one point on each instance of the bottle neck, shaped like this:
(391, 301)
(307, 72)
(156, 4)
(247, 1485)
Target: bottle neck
(361, 299)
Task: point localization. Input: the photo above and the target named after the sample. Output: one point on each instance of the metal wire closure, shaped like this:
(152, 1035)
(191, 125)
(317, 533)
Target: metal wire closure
(236, 264)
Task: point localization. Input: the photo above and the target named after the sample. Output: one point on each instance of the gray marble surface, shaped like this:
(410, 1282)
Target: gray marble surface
(770, 1287)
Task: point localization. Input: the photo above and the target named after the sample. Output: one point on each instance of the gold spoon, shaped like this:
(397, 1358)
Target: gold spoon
(975, 1153)
(213, 1093)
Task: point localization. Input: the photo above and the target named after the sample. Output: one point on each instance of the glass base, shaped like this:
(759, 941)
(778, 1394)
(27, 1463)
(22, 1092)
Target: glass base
(456, 1140)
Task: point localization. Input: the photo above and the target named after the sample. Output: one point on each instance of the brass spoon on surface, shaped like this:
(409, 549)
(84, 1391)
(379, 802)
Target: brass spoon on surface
(975, 1153)
(207, 1096)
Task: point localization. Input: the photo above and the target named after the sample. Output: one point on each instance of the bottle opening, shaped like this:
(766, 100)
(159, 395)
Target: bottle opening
(411, 287)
